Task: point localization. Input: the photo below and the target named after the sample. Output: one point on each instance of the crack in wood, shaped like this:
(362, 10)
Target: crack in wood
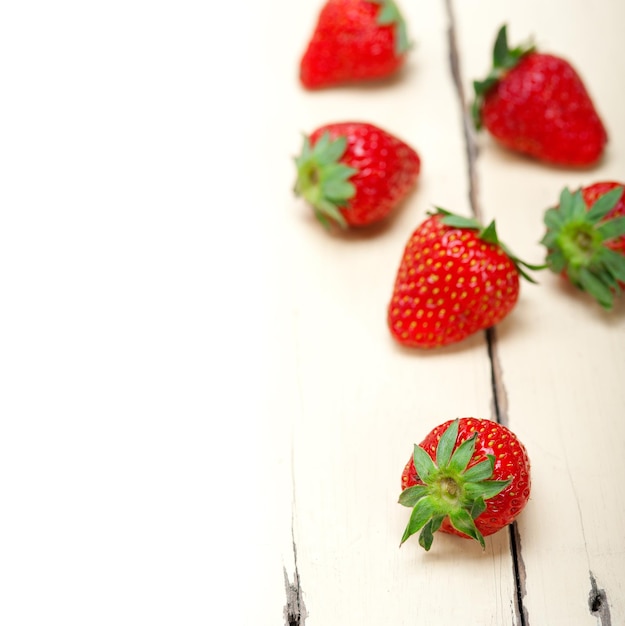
(500, 400)
(295, 613)
(500, 409)
(520, 574)
(500, 396)
(598, 603)
(597, 598)
(294, 609)
(467, 124)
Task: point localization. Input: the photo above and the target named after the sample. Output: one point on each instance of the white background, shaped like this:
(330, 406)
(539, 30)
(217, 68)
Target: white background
(194, 375)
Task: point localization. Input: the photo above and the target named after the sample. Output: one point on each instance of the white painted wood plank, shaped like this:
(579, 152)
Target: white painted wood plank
(561, 357)
(178, 444)
(362, 401)
(144, 444)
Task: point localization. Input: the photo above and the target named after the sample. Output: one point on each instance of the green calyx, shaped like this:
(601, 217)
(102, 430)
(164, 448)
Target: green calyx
(322, 180)
(576, 242)
(489, 235)
(450, 489)
(390, 15)
(504, 59)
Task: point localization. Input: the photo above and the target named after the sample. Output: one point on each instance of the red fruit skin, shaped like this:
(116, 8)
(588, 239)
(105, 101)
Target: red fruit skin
(511, 462)
(450, 284)
(541, 108)
(387, 170)
(592, 193)
(348, 45)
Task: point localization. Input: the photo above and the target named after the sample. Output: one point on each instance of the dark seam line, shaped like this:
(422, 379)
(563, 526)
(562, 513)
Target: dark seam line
(471, 150)
(294, 610)
(491, 340)
(469, 141)
(295, 613)
(598, 603)
(518, 580)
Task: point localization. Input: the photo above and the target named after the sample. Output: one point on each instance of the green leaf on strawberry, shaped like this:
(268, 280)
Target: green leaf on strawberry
(390, 15)
(504, 59)
(489, 235)
(450, 489)
(323, 180)
(578, 241)
(354, 173)
(354, 41)
(454, 279)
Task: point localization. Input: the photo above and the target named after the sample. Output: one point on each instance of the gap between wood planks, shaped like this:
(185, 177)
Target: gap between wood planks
(295, 611)
(500, 400)
(598, 603)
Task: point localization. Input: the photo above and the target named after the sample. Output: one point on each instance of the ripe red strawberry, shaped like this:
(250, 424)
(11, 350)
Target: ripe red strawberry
(354, 40)
(455, 278)
(585, 239)
(537, 104)
(469, 477)
(354, 173)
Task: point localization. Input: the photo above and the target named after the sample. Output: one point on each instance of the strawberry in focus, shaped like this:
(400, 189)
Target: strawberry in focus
(585, 239)
(455, 278)
(353, 41)
(469, 477)
(537, 104)
(354, 173)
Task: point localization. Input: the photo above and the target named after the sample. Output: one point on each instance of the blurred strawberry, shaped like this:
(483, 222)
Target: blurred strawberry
(354, 40)
(354, 173)
(585, 239)
(537, 104)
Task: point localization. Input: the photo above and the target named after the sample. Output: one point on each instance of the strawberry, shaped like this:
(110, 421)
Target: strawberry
(537, 104)
(354, 173)
(354, 40)
(455, 278)
(469, 477)
(585, 239)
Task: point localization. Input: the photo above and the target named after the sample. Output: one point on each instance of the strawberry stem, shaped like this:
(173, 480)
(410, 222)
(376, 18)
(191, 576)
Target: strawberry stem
(390, 15)
(448, 489)
(504, 59)
(489, 235)
(576, 241)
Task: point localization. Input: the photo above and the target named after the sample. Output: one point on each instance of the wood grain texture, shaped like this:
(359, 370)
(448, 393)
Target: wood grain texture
(363, 401)
(544, 387)
(560, 355)
(204, 418)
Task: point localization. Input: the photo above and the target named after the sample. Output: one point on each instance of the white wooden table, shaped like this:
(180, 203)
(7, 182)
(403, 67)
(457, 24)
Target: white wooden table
(203, 416)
